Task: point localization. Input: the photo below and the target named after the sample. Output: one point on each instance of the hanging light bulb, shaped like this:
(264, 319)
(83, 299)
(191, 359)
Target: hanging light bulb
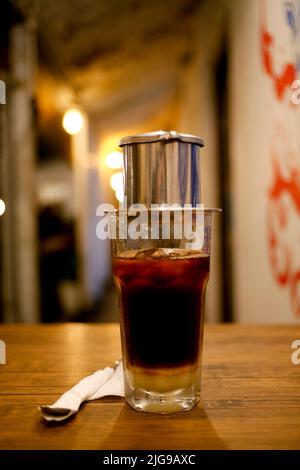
(2, 207)
(116, 181)
(114, 160)
(117, 184)
(120, 195)
(72, 121)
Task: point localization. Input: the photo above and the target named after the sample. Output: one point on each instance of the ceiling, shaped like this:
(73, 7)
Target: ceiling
(104, 52)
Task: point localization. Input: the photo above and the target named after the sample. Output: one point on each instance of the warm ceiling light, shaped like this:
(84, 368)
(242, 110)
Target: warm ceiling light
(2, 207)
(116, 181)
(114, 160)
(72, 121)
(120, 195)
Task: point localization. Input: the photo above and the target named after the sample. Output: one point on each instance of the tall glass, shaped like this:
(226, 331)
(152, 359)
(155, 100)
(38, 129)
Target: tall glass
(161, 278)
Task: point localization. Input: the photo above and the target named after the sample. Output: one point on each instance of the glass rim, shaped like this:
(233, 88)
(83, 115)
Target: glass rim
(210, 210)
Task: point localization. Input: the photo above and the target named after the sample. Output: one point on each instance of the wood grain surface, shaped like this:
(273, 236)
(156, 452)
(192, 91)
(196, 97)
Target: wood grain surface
(250, 392)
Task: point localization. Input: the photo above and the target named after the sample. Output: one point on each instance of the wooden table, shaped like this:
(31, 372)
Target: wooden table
(251, 392)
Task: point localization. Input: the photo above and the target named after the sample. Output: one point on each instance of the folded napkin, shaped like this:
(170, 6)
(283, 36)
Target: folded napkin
(108, 381)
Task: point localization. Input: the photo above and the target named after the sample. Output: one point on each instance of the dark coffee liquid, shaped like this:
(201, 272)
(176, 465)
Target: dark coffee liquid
(162, 307)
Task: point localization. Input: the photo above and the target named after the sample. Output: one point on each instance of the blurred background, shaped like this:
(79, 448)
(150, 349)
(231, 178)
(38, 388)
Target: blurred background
(81, 74)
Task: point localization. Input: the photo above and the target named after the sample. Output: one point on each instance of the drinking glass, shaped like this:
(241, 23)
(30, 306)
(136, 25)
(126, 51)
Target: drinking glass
(161, 269)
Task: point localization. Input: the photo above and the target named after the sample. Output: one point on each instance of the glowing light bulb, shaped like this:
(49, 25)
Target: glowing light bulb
(72, 121)
(2, 207)
(116, 181)
(120, 195)
(114, 160)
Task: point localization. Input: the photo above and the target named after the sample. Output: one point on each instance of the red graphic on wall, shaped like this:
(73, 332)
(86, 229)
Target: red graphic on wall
(283, 79)
(283, 205)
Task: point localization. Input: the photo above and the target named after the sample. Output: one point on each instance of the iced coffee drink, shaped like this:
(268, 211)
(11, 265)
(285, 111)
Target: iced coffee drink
(161, 295)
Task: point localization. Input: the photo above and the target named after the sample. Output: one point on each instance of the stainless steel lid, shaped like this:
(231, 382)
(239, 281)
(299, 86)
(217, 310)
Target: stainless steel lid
(161, 136)
(162, 168)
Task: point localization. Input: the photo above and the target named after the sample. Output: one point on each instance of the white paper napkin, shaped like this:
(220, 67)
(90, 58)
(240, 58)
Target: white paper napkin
(108, 381)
